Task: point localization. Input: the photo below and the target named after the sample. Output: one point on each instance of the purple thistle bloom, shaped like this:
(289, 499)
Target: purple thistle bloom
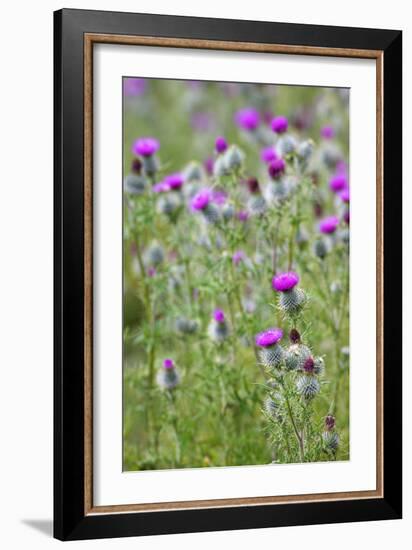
(151, 271)
(201, 200)
(208, 165)
(146, 146)
(238, 256)
(220, 144)
(346, 216)
(276, 168)
(134, 86)
(219, 316)
(330, 422)
(136, 166)
(327, 132)
(252, 185)
(269, 337)
(338, 183)
(285, 281)
(268, 154)
(168, 364)
(160, 187)
(344, 195)
(309, 365)
(219, 197)
(329, 225)
(242, 215)
(174, 181)
(247, 118)
(294, 336)
(279, 124)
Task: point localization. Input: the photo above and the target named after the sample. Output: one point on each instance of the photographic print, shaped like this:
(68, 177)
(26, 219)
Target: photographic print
(236, 274)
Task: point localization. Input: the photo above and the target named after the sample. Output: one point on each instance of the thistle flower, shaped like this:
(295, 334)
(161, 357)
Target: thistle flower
(168, 377)
(286, 145)
(270, 352)
(242, 215)
(168, 205)
(344, 195)
(193, 172)
(327, 132)
(305, 149)
(308, 386)
(294, 336)
(276, 168)
(338, 183)
(220, 144)
(218, 329)
(238, 257)
(330, 422)
(220, 168)
(201, 200)
(268, 154)
(328, 225)
(330, 441)
(135, 184)
(346, 216)
(228, 211)
(247, 119)
(252, 185)
(321, 248)
(291, 299)
(146, 146)
(174, 181)
(330, 437)
(279, 124)
(154, 255)
(257, 205)
(186, 326)
(136, 166)
(296, 356)
(331, 156)
(273, 406)
(208, 165)
(233, 158)
(277, 190)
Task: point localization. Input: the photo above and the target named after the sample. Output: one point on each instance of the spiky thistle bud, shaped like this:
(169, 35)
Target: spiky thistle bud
(168, 205)
(270, 352)
(308, 386)
(273, 406)
(330, 422)
(168, 377)
(228, 211)
(294, 336)
(296, 355)
(291, 299)
(286, 145)
(218, 329)
(193, 172)
(321, 248)
(219, 168)
(257, 205)
(233, 158)
(330, 441)
(186, 326)
(135, 184)
(154, 255)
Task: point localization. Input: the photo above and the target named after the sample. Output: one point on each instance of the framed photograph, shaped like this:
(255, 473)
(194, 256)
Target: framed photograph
(227, 274)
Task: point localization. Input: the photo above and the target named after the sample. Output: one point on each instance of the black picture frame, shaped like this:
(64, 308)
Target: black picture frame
(70, 520)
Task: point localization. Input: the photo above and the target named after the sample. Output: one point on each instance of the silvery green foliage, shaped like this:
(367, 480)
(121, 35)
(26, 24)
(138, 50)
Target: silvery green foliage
(154, 255)
(150, 165)
(168, 379)
(292, 301)
(218, 332)
(233, 158)
(135, 184)
(193, 172)
(296, 355)
(186, 326)
(272, 356)
(286, 145)
(308, 386)
(211, 213)
(330, 441)
(257, 205)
